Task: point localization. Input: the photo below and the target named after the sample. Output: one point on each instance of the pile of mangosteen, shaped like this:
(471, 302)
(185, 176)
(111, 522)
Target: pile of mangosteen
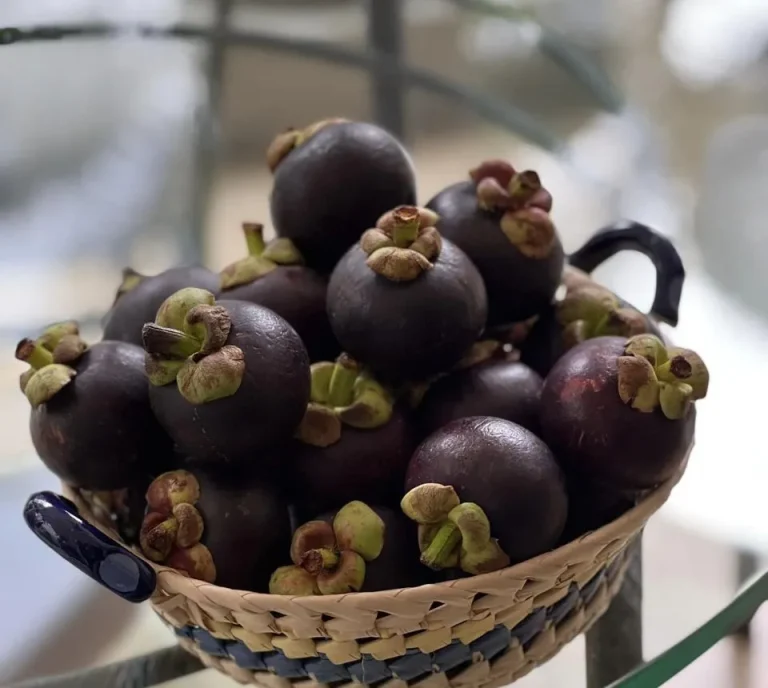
(384, 395)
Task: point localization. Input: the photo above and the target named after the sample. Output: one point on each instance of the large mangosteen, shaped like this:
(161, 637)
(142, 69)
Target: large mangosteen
(620, 412)
(229, 379)
(91, 421)
(273, 276)
(333, 179)
(500, 219)
(404, 302)
(486, 493)
(139, 297)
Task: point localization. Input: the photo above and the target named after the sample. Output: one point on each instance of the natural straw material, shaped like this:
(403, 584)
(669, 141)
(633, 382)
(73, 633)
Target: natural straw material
(388, 625)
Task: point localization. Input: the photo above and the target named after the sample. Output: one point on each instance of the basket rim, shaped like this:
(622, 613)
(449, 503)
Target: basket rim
(620, 530)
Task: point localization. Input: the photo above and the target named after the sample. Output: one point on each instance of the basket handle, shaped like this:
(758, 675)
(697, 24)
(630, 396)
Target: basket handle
(633, 236)
(56, 521)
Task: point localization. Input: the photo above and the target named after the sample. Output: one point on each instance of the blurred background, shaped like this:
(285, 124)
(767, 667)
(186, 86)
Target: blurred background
(149, 153)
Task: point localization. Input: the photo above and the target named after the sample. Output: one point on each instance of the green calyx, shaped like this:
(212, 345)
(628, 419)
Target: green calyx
(330, 559)
(131, 280)
(286, 141)
(342, 394)
(452, 533)
(262, 258)
(50, 357)
(651, 376)
(404, 244)
(187, 344)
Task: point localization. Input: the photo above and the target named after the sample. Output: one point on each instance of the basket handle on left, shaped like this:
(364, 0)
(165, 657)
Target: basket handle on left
(56, 521)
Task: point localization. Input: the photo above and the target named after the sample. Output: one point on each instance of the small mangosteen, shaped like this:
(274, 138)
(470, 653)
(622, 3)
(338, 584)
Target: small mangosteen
(404, 302)
(500, 219)
(91, 421)
(358, 548)
(478, 477)
(229, 379)
(273, 276)
(620, 412)
(333, 179)
(139, 297)
(352, 442)
(232, 532)
(587, 310)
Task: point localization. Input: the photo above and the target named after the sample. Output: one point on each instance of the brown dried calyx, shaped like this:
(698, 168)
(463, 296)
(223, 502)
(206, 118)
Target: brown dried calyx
(521, 201)
(651, 376)
(262, 257)
(329, 559)
(292, 138)
(173, 526)
(342, 393)
(187, 345)
(451, 533)
(404, 243)
(50, 357)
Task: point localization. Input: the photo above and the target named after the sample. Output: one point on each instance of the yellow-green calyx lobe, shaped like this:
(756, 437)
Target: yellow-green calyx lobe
(262, 257)
(342, 394)
(330, 559)
(292, 138)
(451, 533)
(187, 345)
(651, 376)
(50, 358)
(522, 204)
(131, 280)
(404, 243)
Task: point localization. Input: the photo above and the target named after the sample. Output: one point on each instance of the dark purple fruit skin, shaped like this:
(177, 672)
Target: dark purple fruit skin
(595, 435)
(407, 330)
(505, 469)
(518, 287)
(247, 529)
(297, 294)
(368, 465)
(128, 314)
(98, 432)
(498, 388)
(332, 188)
(266, 409)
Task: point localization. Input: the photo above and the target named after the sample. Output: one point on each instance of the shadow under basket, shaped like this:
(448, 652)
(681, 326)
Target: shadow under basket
(486, 630)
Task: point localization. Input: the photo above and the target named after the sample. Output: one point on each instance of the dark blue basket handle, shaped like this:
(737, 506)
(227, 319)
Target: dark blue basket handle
(633, 236)
(55, 520)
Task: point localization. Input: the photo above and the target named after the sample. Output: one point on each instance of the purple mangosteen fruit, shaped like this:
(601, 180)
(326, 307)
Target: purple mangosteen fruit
(403, 301)
(139, 296)
(91, 421)
(332, 180)
(229, 379)
(621, 412)
(486, 492)
(500, 219)
(273, 276)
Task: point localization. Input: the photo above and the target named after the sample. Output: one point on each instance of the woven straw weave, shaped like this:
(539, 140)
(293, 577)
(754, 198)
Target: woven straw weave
(385, 625)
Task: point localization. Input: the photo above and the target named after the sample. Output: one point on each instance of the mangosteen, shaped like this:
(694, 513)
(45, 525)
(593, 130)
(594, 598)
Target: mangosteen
(621, 412)
(353, 441)
(91, 421)
(404, 302)
(232, 533)
(229, 379)
(587, 310)
(500, 219)
(139, 297)
(332, 180)
(477, 477)
(273, 276)
(357, 548)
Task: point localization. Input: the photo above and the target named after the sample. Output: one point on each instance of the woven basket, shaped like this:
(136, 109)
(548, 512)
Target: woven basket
(486, 630)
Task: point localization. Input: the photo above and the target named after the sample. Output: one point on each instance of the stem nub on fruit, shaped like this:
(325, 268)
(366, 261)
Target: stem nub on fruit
(452, 533)
(342, 393)
(330, 559)
(651, 376)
